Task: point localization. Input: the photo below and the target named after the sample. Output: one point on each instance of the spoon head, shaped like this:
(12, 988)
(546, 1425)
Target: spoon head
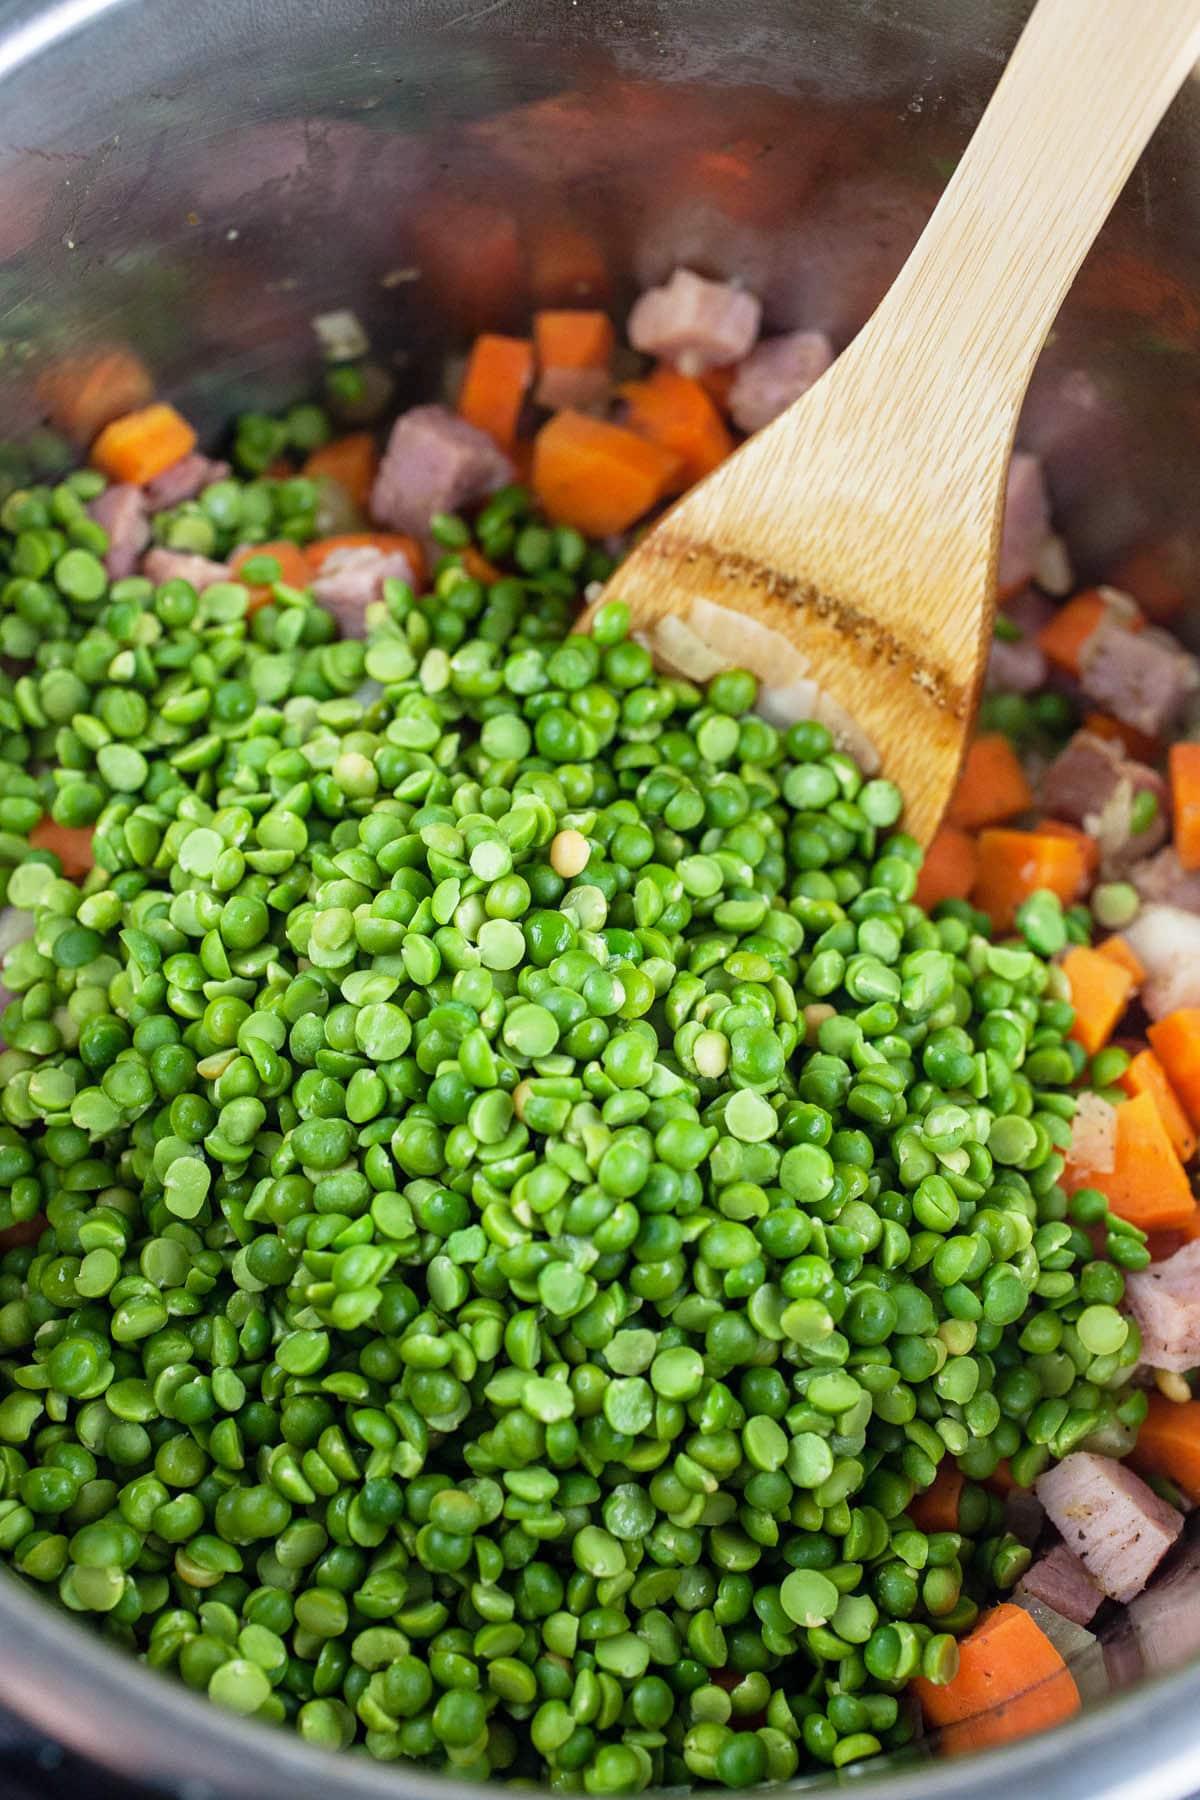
(892, 663)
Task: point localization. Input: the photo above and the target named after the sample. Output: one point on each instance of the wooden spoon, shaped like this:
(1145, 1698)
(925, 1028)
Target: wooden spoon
(863, 525)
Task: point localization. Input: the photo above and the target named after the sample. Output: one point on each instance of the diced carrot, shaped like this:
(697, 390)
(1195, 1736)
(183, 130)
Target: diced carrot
(1183, 767)
(1134, 285)
(573, 340)
(72, 844)
(1155, 576)
(1015, 864)
(1000, 1481)
(1142, 748)
(294, 568)
(1175, 1040)
(949, 870)
(522, 461)
(674, 411)
(82, 394)
(1011, 1681)
(736, 180)
(470, 253)
(1146, 1075)
(1162, 1244)
(1100, 990)
(718, 382)
(937, 1508)
(478, 567)
(731, 162)
(1063, 638)
(499, 372)
(316, 555)
(1120, 950)
(1147, 1184)
(1168, 1443)
(351, 461)
(566, 265)
(140, 445)
(992, 786)
(1086, 845)
(600, 478)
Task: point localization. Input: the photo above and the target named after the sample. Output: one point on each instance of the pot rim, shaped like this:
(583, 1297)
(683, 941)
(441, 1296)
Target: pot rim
(135, 1722)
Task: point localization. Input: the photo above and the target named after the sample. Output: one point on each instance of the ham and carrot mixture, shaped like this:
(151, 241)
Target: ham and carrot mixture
(660, 1335)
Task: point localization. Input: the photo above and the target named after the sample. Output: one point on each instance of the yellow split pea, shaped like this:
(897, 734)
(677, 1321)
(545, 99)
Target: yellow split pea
(569, 854)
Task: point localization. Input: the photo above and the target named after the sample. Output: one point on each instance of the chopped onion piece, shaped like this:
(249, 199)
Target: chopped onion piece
(713, 638)
(341, 335)
(1094, 1133)
(1167, 942)
(1078, 1647)
(1052, 571)
(679, 649)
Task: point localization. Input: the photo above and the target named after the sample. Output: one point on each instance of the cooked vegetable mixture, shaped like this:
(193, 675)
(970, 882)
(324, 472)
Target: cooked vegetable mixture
(541, 1239)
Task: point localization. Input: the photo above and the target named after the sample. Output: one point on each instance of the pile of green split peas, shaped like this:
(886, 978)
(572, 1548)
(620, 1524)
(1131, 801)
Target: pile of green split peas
(529, 1200)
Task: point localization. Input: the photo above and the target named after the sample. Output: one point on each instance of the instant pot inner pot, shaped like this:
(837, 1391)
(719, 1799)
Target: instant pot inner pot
(202, 181)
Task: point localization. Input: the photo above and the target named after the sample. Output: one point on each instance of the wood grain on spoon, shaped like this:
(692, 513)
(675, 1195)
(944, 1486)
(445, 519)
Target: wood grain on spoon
(863, 525)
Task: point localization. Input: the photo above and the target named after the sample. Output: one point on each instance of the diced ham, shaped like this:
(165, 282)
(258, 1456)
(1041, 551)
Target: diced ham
(577, 390)
(695, 324)
(434, 462)
(1123, 1656)
(121, 510)
(843, 247)
(351, 579)
(774, 374)
(1165, 1621)
(1076, 429)
(1163, 881)
(1060, 1580)
(1017, 668)
(1084, 778)
(1116, 1525)
(183, 480)
(1083, 429)
(160, 565)
(1165, 1301)
(1091, 783)
(1141, 677)
(1026, 522)
(1166, 940)
(1029, 610)
(1094, 1135)
(1021, 666)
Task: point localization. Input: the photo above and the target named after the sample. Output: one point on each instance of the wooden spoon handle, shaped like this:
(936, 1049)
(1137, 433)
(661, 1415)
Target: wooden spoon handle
(1082, 94)
(861, 527)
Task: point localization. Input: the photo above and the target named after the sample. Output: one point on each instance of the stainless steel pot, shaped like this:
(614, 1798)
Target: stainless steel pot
(199, 178)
